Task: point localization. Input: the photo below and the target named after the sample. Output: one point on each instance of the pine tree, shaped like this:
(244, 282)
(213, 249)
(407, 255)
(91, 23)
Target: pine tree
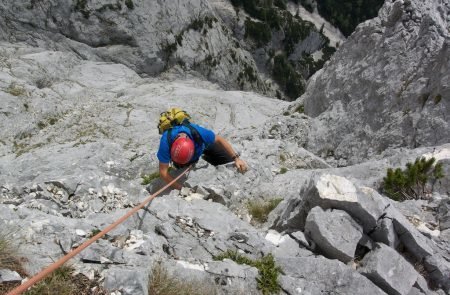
(414, 182)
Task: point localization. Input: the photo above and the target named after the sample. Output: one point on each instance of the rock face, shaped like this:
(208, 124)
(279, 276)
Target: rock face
(77, 137)
(386, 87)
(100, 118)
(152, 37)
(147, 36)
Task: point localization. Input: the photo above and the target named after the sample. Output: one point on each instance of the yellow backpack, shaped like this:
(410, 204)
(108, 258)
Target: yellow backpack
(174, 116)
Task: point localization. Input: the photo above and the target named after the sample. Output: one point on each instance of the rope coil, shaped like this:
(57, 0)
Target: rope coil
(52, 267)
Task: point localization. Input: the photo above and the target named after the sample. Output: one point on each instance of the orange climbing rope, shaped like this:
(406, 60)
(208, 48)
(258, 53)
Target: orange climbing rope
(42, 274)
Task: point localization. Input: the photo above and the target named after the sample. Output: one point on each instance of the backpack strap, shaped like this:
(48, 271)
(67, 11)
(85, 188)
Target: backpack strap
(169, 140)
(198, 139)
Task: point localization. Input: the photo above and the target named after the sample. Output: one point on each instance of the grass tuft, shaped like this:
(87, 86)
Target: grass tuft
(59, 282)
(94, 232)
(147, 179)
(129, 4)
(267, 269)
(63, 282)
(260, 209)
(9, 257)
(161, 282)
(300, 109)
(16, 90)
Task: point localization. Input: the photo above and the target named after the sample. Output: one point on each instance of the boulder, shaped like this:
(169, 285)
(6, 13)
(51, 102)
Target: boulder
(389, 270)
(331, 191)
(285, 245)
(334, 232)
(315, 275)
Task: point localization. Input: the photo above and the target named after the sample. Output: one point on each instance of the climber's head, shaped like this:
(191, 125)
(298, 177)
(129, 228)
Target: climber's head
(182, 149)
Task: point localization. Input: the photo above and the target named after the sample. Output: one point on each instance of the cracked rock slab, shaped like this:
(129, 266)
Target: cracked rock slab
(334, 232)
(318, 275)
(389, 270)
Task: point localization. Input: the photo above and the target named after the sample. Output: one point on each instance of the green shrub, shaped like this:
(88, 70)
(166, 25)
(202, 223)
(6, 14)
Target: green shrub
(286, 76)
(258, 31)
(280, 4)
(260, 210)
(283, 170)
(306, 4)
(267, 269)
(248, 74)
(295, 30)
(413, 182)
(147, 179)
(129, 4)
(94, 232)
(437, 99)
(163, 283)
(300, 109)
(198, 23)
(80, 5)
(347, 14)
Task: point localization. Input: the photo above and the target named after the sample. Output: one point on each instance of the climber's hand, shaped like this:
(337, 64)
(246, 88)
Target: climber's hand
(241, 165)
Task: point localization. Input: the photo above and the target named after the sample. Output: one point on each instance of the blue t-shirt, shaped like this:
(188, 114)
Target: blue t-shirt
(207, 135)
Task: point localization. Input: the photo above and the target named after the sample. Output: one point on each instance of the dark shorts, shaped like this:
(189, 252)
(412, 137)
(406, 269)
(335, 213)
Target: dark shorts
(215, 155)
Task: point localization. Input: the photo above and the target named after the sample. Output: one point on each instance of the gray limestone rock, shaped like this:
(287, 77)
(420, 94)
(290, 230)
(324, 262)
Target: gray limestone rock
(417, 244)
(334, 232)
(385, 233)
(103, 252)
(300, 238)
(312, 275)
(287, 247)
(388, 270)
(438, 269)
(232, 277)
(229, 268)
(7, 276)
(127, 281)
(415, 291)
(444, 214)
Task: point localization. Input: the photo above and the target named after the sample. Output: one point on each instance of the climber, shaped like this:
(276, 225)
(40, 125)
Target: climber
(183, 143)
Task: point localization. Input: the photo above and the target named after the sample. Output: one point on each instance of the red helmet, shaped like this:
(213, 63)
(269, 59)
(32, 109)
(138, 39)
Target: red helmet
(182, 150)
